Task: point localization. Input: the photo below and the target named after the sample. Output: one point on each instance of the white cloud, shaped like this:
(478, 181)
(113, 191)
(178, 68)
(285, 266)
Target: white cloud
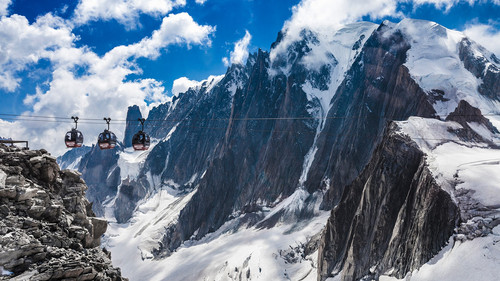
(201, 2)
(101, 90)
(240, 53)
(22, 44)
(182, 84)
(486, 35)
(125, 12)
(4, 6)
(175, 29)
(326, 16)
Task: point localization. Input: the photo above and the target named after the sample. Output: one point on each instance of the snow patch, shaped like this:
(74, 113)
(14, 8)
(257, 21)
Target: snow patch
(132, 243)
(226, 254)
(75, 164)
(477, 259)
(455, 163)
(131, 161)
(434, 63)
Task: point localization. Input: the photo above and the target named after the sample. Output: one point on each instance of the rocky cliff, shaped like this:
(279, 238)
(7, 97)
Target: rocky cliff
(101, 172)
(133, 125)
(376, 89)
(393, 218)
(48, 230)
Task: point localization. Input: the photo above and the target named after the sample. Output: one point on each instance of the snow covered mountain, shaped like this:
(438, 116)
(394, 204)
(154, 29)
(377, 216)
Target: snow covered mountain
(376, 123)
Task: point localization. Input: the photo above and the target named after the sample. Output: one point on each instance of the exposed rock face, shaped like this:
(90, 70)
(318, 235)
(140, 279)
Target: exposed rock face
(481, 68)
(466, 113)
(392, 217)
(378, 88)
(133, 125)
(71, 159)
(100, 170)
(259, 160)
(130, 193)
(47, 227)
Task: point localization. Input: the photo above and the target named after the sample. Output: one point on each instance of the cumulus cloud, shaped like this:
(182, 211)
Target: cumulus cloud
(125, 12)
(175, 29)
(240, 53)
(486, 35)
(183, 84)
(201, 2)
(4, 5)
(325, 16)
(101, 90)
(23, 44)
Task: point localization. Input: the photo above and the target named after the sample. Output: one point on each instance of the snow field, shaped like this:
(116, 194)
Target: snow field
(223, 255)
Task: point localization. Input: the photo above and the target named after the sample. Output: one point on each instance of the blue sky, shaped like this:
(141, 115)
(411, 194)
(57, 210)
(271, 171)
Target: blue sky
(94, 58)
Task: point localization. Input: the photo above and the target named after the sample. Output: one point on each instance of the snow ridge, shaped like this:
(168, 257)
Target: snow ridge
(434, 63)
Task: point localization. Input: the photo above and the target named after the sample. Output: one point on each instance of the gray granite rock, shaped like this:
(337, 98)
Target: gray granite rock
(48, 230)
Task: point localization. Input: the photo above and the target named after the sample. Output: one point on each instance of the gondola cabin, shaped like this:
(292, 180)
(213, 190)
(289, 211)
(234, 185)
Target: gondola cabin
(106, 140)
(141, 141)
(73, 138)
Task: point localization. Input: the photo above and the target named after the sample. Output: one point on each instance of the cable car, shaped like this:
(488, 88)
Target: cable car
(141, 140)
(74, 138)
(107, 139)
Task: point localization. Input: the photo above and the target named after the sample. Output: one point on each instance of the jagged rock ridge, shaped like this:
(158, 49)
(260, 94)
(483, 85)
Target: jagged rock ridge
(47, 227)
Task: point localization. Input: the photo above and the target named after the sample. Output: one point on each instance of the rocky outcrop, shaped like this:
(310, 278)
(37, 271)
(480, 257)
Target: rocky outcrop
(126, 199)
(47, 227)
(101, 172)
(480, 67)
(465, 114)
(133, 125)
(392, 219)
(376, 89)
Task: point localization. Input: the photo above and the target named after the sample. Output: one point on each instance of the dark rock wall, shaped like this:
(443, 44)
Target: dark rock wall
(466, 113)
(377, 88)
(100, 171)
(47, 228)
(133, 125)
(200, 118)
(480, 67)
(393, 216)
(259, 160)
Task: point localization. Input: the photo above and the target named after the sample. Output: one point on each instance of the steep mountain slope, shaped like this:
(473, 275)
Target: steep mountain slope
(255, 152)
(72, 158)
